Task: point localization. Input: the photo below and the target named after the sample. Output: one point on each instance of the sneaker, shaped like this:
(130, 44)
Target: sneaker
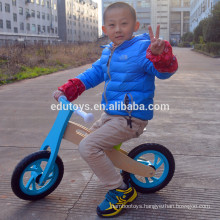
(115, 200)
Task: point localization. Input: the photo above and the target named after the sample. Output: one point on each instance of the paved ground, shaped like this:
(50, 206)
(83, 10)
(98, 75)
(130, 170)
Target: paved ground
(190, 129)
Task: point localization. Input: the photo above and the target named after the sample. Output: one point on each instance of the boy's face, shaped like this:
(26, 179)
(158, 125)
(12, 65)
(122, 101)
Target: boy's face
(119, 25)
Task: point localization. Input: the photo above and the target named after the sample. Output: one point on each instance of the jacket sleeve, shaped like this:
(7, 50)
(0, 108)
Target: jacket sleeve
(162, 66)
(72, 89)
(76, 86)
(92, 76)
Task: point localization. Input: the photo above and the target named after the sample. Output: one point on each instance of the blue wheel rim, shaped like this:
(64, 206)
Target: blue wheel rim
(159, 161)
(29, 186)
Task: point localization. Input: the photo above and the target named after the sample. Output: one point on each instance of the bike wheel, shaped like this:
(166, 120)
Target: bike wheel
(25, 178)
(157, 156)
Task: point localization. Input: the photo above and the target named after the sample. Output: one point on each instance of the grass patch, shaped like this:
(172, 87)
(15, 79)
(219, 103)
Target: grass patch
(20, 62)
(27, 73)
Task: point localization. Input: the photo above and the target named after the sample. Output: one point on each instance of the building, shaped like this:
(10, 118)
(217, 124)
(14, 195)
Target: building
(77, 20)
(179, 19)
(28, 21)
(161, 15)
(170, 14)
(199, 10)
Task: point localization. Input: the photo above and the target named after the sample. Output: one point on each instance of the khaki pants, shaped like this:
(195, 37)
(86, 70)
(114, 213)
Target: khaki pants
(107, 132)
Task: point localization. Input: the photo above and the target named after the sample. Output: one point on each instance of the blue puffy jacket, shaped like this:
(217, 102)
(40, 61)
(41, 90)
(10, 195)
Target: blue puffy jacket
(129, 78)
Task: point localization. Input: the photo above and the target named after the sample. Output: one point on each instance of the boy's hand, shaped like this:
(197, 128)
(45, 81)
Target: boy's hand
(57, 94)
(157, 45)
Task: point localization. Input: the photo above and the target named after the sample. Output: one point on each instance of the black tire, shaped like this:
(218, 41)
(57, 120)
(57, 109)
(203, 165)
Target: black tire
(149, 147)
(18, 176)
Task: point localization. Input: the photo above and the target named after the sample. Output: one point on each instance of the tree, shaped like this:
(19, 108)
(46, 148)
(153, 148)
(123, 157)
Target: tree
(187, 37)
(198, 32)
(209, 28)
(216, 22)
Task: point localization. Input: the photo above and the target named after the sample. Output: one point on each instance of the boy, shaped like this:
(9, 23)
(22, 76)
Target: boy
(128, 66)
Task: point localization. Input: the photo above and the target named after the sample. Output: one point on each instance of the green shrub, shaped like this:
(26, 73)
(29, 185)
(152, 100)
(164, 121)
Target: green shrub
(187, 37)
(212, 48)
(184, 44)
(209, 28)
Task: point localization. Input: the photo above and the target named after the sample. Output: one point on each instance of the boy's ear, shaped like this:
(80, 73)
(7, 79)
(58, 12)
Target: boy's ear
(137, 25)
(104, 30)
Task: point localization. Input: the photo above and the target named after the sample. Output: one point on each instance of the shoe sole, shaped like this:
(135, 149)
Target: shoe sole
(115, 214)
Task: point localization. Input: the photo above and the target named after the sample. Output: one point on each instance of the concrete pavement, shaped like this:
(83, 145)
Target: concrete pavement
(190, 129)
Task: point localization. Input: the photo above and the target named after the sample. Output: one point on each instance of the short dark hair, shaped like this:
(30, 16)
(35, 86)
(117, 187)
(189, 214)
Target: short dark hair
(120, 5)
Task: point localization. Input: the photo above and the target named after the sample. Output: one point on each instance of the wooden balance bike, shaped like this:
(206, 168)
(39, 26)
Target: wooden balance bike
(149, 167)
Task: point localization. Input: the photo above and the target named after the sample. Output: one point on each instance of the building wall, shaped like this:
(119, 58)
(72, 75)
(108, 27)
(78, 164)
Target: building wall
(199, 10)
(179, 18)
(161, 15)
(61, 13)
(28, 20)
(78, 20)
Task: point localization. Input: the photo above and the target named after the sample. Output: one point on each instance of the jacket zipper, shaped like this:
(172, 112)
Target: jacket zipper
(109, 75)
(127, 102)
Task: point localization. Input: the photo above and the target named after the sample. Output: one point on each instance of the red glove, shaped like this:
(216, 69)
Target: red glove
(72, 89)
(165, 62)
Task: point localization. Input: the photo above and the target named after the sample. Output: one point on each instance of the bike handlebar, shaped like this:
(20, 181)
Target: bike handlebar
(62, 97)
(88, 117)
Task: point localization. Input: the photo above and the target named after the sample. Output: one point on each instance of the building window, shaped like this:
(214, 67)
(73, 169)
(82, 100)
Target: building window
(48, 4)
(186, 16)
(43, 15)
(48, 29)
(14, 2)
(0, 6)
(15, 30)
(33, 28)
(48, 17)
(186, 3)
(20, 11)
(42, 2)
(8, 24)
(44, 29)
(38, 14)
(28, 27)
(143, 4)
(27, 13)
(38, 29)
(186, 27)
(175, 16)
(176, 3)
(21, 26)
(33, 13)
(37, 2)
(1, 23)
(175, 28)
(14, 17)
(7, 7)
